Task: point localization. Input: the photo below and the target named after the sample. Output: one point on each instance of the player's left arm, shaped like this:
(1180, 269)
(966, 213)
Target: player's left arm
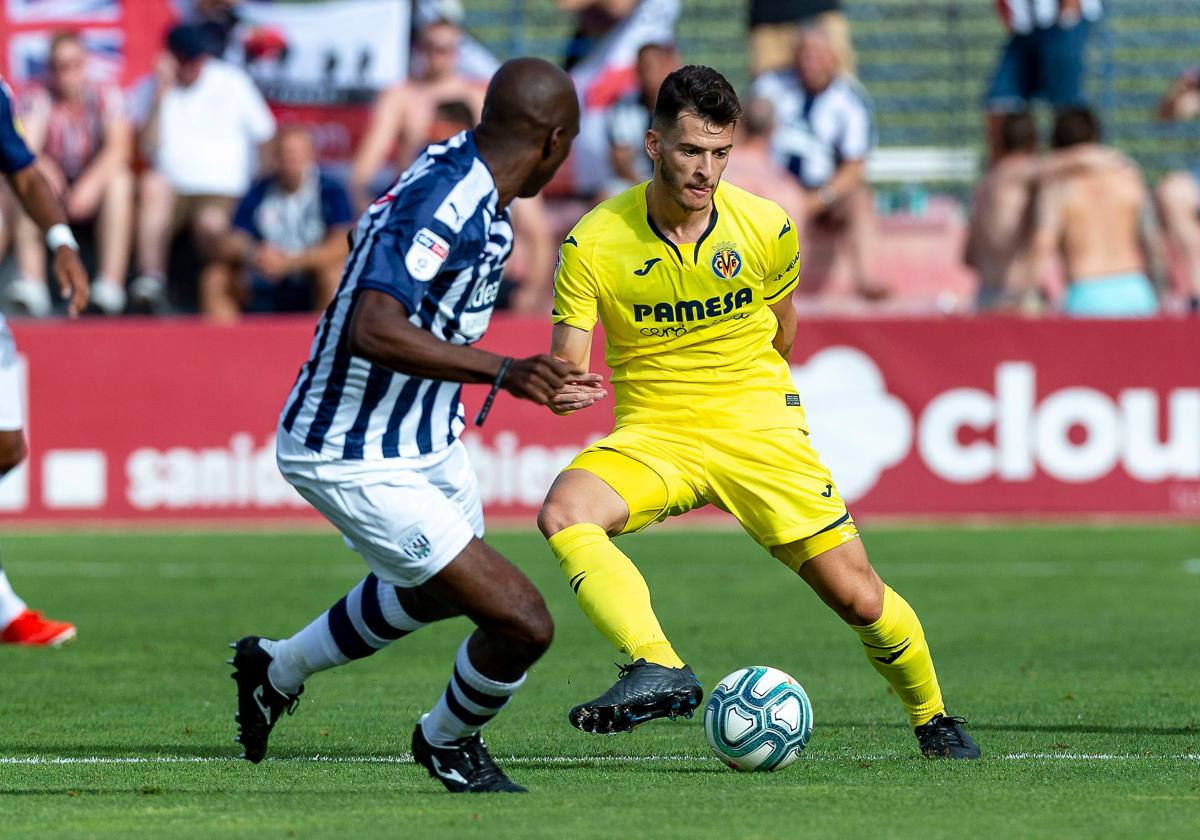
(780, 281)
(785, 333)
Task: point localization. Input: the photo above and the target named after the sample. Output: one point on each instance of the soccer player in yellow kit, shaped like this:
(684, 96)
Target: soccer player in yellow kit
(692, 280)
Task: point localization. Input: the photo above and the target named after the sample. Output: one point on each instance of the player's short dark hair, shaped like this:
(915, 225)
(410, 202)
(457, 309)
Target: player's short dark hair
(1073, 126)
(697, 89)
(1018, 132)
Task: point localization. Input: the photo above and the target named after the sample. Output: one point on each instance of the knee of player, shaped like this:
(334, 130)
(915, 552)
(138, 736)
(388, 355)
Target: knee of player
(535, 630)
(863, 606)
(557, 514)
(12, 453)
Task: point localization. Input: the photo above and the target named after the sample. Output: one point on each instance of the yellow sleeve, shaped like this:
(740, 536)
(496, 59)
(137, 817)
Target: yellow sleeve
(783, 269)
(574, 287)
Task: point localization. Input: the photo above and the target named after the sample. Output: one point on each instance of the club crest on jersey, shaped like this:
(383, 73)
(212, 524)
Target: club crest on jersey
(726, 261)
(426, 255)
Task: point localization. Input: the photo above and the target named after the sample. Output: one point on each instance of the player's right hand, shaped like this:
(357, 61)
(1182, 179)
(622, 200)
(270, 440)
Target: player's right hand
(539, 378)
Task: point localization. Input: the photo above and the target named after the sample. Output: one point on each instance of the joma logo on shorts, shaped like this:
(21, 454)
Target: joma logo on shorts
(692, 310)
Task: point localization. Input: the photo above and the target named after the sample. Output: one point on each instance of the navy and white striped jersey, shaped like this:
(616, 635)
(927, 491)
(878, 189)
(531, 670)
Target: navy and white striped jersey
(817, 133)
(436, 242)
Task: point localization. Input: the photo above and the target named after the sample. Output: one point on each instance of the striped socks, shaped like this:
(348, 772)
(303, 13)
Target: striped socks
(470, 701)
(367, 619)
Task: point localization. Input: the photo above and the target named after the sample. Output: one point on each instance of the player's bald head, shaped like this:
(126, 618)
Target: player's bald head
(529, 96)
(530, 117)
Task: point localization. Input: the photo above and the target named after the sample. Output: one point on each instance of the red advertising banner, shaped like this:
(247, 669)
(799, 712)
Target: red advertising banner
(137, 420)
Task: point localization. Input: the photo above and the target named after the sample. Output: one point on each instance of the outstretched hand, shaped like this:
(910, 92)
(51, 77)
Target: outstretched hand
(539, 378)
(577, 393)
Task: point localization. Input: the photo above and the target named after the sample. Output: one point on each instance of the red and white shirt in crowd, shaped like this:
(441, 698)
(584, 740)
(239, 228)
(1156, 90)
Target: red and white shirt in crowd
(74, 130)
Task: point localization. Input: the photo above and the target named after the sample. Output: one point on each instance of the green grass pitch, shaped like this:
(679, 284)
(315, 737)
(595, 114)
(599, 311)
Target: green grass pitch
(1073, 651)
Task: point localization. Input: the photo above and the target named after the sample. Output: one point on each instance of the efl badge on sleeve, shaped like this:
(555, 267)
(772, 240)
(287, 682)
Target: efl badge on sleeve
(426, 254)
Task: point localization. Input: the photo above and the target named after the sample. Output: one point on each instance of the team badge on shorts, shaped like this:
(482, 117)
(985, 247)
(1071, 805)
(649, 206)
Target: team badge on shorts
(726, 261)
(414, 544)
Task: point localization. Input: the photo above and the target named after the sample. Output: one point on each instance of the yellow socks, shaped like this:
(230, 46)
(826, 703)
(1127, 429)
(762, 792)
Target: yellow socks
(613, 594)
(896, 648)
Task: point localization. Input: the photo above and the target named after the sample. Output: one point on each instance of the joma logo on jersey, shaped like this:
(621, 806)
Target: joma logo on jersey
(692, 310)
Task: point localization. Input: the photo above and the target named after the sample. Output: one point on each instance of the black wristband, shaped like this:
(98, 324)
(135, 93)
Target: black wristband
(491, 397)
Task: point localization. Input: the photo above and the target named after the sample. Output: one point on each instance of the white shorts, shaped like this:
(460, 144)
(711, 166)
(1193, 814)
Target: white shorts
(12, 412)
(407, 517)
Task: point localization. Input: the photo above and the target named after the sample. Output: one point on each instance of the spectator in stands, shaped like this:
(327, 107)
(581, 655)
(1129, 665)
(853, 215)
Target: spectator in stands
(1179, 192)
(429, 109)
(83, 138)
(1001, 220)
(753, 167)
(629, 119)
(217, 19)
(474, 59)
(205, 123)
(823, 136)
(1042, 59)
(601, 58)
(1102, 223)
(288, 241)
(403, 115)
(774, 25)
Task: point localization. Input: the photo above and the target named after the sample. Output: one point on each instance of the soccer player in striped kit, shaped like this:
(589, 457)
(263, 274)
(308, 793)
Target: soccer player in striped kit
(19, 624)
(369, 433)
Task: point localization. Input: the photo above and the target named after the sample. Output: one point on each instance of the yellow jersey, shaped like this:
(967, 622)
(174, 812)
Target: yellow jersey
(688, 328)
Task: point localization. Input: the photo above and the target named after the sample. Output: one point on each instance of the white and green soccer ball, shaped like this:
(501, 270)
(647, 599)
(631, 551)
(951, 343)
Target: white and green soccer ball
(758, 718)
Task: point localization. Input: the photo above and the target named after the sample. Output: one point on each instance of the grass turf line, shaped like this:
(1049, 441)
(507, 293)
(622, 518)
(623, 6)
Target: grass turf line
(1069, 649)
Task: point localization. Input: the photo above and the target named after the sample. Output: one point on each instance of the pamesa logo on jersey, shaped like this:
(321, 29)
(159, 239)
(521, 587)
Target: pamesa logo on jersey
(726, 261)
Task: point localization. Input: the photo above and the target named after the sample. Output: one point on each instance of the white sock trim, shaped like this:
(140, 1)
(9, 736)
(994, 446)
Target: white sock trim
(11, 604)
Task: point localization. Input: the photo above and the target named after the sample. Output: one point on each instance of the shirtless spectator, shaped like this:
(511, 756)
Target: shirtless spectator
(629, 119)
(1179, 192)
(1101, 221)
(752, 166)
(475, 61)
(83, 139)
(823, 136)
(1001, 222)
(288, 242)
(203, 132)
(403, 116)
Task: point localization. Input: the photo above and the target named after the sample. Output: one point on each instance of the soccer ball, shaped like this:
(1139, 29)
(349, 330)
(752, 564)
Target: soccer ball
(758, 718)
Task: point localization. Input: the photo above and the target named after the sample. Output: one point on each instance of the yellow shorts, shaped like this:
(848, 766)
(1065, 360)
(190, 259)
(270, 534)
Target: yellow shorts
(771, 481)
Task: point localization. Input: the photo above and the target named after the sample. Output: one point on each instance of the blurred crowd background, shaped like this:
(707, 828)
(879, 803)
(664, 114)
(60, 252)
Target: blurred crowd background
(1023, 156)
